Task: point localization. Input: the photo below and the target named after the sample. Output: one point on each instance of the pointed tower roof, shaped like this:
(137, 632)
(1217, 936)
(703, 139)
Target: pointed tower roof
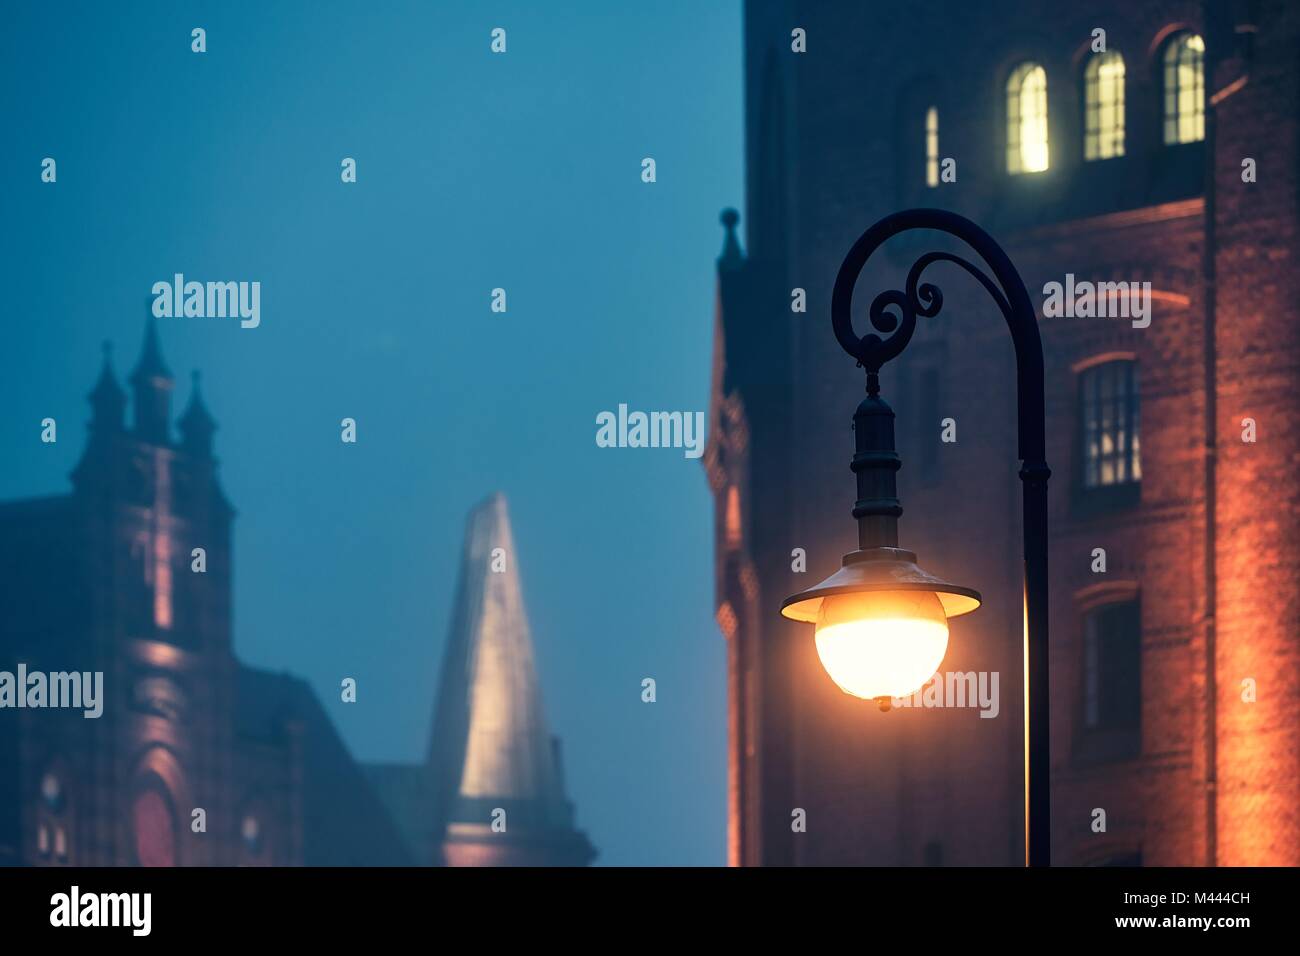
(196, 424)
(491, 747)
(150, 364)
(151, 384)
(107, 399)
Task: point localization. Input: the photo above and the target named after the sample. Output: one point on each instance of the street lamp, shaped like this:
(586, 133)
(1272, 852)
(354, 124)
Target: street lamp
(881, 621)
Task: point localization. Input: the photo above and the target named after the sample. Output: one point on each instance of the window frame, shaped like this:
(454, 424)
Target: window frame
(1014, 92)
(1179, 52)
(1095, 136)
(1115, 493)
(931, 146)
(1102, 740)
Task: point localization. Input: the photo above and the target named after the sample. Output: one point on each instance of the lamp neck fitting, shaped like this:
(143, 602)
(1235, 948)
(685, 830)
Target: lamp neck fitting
(876, 465)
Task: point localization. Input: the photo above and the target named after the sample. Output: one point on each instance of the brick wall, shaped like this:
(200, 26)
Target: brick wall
(945, 785)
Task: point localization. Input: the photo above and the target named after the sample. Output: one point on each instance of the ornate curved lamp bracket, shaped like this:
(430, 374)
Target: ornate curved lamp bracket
(893, 317)
(893, 312)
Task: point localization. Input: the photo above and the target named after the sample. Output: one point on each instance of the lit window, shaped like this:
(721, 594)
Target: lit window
(1103, 81)
(61, 844)
(1185, 89)
(43, 840)
(1027, 119)
(1109, 405)
(251, 833)
(52, 792)
(932, 147)
(1112, 668)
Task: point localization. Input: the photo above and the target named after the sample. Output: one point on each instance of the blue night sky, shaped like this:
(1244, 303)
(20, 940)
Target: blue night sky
(474, 171)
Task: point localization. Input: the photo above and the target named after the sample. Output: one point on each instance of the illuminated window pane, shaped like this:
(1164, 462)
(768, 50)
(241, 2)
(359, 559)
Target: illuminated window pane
(932, 147)
(1104, 106)
(1109, 420)
(1027, 119)
(1185, 89)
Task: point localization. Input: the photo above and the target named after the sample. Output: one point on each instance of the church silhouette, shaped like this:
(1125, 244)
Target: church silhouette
(198, 759)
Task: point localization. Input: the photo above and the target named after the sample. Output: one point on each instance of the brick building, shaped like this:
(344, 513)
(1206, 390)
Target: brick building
(1175, 677)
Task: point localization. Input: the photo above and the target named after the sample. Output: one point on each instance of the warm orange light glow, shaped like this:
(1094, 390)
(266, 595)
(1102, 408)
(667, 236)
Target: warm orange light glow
(882, 643)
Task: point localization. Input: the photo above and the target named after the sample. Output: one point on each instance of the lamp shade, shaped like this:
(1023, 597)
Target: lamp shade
(882, 622)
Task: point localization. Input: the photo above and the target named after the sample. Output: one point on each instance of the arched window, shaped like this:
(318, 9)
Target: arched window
(250, 833)
(1185, 89)
(1103, 106)
(51, 834)
(1111, 452)
(154, 825)
(1027, 119)
(932, 146)
(52, 792)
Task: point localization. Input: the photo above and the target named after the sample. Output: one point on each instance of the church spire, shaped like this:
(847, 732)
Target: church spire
(152, 384)
(491, 750)
(107, 400)
(196, 424)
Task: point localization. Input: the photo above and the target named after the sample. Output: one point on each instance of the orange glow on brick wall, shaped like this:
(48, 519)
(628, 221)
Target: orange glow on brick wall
(162, 546)
(1258, 732)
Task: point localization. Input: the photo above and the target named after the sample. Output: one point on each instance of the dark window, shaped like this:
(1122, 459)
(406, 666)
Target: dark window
(1112, 678)
(250, 832)
(52, 792)
(1111, 450)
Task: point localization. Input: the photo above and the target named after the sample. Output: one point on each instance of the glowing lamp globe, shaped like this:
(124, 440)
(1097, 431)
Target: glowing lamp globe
(881, 622)
(883, 644)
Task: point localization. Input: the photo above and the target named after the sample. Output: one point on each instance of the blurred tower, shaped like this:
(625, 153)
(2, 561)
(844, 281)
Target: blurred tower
(107, 572)
(499, 780)
(129, 575)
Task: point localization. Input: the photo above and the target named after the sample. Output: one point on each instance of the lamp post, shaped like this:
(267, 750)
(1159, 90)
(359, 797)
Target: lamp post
(881, 621)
